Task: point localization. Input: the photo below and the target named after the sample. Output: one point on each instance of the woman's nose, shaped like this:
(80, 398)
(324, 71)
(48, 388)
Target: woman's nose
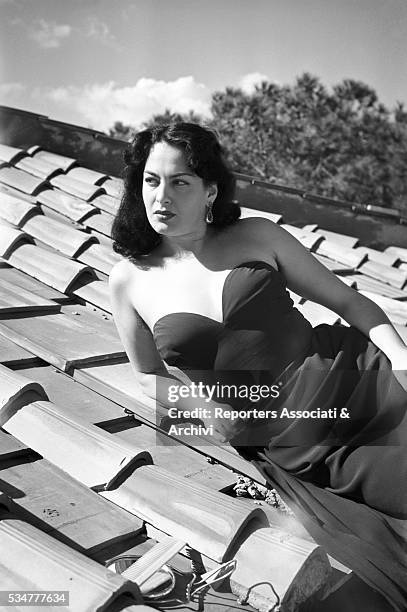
(162, 193)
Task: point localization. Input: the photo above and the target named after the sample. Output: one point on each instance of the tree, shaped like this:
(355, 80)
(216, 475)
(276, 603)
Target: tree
(341, 143)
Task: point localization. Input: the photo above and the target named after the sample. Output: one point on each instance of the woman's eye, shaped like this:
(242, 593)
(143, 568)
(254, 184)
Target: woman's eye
(180, 182)
(151, 180)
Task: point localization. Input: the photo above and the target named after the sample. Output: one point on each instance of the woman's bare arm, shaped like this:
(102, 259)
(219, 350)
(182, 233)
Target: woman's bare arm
(153, 377)
(309, 278)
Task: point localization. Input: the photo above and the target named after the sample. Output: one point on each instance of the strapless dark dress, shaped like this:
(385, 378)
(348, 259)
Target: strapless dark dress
(345, 478)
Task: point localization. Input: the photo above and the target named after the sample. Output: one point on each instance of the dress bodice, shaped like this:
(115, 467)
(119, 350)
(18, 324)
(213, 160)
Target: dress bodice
(261, 329)
(343, 474)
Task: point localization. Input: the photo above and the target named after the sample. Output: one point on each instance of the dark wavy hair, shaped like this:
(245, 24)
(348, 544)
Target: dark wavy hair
(132, 234)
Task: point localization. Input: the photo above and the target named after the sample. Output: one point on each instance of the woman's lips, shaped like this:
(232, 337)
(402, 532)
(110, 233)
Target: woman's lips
(164, 214)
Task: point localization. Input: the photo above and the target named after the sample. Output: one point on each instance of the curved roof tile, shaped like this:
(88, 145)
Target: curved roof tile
(59, 161)
(84, 451)
(113, 187)
(27, 183)
(101, 222)
(209, 521)
(65, 204)
(10, 239)
(54, 270)
(100, 257)
(82, 190)
(107, 203)
(33, 555)
(15, 211)
(87, 176)
(38, 167)
(16, 391)
(10, 154)
(58, 235)
(97, 293)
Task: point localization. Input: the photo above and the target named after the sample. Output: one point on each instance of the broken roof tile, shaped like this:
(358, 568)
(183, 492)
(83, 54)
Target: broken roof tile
(176, 506)
(59, 161)
(10, 154)
(54, 270)
(298, 568)
(15, 211)
(62, 340)
(24, 182)
(65, 204)
(79, 189)
(84, 451)
(60, 236)
(33, 555)
(14, 299)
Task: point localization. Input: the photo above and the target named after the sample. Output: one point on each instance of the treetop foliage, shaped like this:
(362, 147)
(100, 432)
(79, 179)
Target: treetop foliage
(342, 143)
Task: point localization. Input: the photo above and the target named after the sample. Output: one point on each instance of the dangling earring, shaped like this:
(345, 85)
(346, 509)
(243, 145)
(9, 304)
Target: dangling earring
(209, 214)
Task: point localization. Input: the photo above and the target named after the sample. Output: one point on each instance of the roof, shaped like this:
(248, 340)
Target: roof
(87, 473)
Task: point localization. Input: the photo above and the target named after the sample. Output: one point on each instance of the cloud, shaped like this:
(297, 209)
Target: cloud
(101, 104)
(100, 31)
(48, 34)
(13, 94)
(249, 81)
(7, 90)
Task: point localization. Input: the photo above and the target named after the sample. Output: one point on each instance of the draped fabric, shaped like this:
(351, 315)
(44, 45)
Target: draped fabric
(336, 445)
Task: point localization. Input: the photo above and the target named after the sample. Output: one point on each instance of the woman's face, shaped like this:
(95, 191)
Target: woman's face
(175, 198)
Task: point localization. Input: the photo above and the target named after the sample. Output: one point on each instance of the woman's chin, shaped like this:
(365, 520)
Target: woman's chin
(163, 227)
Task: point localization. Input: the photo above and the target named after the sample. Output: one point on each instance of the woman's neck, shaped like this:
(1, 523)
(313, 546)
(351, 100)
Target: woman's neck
(184, 246)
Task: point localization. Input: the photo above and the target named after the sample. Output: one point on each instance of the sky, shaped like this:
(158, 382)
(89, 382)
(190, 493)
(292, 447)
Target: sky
(94, 62)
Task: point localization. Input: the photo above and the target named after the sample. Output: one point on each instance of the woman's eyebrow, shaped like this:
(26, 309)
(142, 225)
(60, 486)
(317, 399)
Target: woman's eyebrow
(172, 175)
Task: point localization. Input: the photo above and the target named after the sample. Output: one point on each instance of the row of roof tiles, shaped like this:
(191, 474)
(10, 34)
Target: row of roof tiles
(55, 242)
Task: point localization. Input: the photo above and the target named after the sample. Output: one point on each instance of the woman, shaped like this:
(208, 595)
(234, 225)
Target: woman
(204, 291)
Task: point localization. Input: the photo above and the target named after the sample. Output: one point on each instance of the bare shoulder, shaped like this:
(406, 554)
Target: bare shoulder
(256, 231)
(121, 275)
(120, 272)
